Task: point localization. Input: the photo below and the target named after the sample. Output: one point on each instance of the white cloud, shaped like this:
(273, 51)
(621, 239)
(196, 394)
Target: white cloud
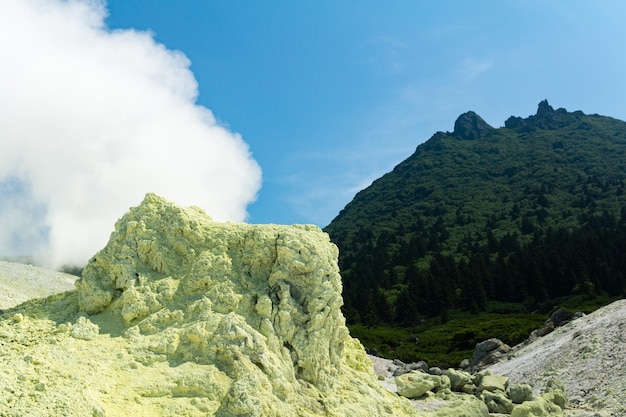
(92, 119)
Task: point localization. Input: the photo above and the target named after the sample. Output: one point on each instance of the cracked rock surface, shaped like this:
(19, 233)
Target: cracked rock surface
(182, 316)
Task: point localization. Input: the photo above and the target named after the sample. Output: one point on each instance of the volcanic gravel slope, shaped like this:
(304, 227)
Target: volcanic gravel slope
(588, 355)
(21, 282)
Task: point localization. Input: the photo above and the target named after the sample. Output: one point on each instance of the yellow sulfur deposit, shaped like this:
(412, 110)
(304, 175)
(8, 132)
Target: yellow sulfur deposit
(182, 316)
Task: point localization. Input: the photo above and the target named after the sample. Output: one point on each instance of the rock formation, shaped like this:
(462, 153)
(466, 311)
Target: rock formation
(488, 352)
(470, 126)
(180, 315)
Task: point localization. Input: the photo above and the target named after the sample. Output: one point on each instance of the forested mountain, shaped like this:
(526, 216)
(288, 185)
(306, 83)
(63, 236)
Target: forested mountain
(484, 218)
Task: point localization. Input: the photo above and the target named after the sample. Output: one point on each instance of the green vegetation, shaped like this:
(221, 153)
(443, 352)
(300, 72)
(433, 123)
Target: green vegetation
(510, 220)
(446, 344)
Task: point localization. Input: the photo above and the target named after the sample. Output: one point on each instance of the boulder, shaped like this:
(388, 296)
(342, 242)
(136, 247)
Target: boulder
(539, 407)
(547, 328)
(491, 382)
(463, 406)
(265, 293)
(555, 392)
(404, 368)
(415, 384)
(497, 402)
(551, 403)
(435, 370)
(488, 352)
(561, 317)
(458, 378)
(519, 393)
(557, 319)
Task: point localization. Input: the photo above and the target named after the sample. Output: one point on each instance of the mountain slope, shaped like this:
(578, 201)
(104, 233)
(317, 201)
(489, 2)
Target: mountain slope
(447, 228)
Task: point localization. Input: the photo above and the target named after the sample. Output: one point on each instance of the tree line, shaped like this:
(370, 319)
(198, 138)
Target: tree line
(399, 287)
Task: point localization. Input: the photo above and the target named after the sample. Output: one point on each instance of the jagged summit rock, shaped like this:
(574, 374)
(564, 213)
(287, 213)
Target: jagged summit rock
(545, 118)
(544, 109)
(182, 316)
(471, 126)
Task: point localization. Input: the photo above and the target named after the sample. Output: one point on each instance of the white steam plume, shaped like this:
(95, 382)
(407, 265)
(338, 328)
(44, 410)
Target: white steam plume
(92, 119)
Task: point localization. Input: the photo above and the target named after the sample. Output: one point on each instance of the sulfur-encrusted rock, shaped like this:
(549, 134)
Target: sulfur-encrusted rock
(549, 404)
(539, 407)
(84, 329)
(520, 393)
(415, 384)
(463, 406)
(257, 306)
(487, 381)
(555, 392)
(458, 378)
(497, 402)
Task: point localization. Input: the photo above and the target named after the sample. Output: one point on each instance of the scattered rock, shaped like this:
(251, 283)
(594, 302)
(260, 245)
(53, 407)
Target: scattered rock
(463, 406)
(539, 407)
(561, 317)
(520, 393)
(490, 382)
(488, 352)
(458, 378)
(557, 319)
(548, 327)
(482, 394)
(435, 370)
(497, 401)
(372, 351)
(84, 329)
(469, 389)
(403, 368)
(415, 384)
(465, 364)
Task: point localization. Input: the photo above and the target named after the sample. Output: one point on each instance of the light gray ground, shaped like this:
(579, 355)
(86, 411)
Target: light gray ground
(588, 355)
(20, 282)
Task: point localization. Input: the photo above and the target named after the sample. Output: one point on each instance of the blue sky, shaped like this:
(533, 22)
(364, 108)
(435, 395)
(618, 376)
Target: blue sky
(308, 102)
(330, 95)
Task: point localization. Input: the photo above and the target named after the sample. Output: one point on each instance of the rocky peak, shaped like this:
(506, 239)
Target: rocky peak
(470, 126)
(546, 118)
(544, 109)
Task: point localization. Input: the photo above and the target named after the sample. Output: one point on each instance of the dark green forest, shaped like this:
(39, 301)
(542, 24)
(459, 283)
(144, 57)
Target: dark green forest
(483, 219)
